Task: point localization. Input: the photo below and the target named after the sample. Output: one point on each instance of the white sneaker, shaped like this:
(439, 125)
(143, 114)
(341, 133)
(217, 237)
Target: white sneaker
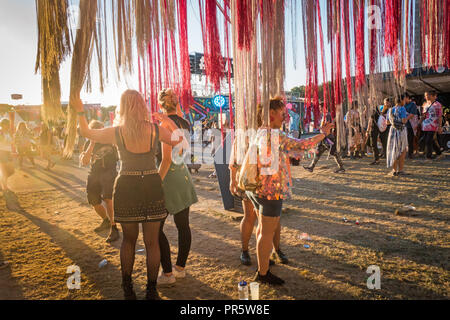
(179, 274)
(164, 280)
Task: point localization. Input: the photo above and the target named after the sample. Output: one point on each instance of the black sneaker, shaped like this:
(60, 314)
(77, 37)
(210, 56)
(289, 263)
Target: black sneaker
(245, 258)
(340, 170)
(375, 163)
(272, 262)
(152, 294)
(308, 169)
(281, 257)
(113, 235)
(106, 225)
(269, 278)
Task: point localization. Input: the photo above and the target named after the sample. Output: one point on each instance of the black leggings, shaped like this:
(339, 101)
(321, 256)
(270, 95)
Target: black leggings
(384, 140)
(410, 141)
(184, 242)
(374, 143)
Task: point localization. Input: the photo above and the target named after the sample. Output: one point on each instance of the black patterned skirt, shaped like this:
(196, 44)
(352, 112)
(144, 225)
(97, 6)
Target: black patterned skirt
(139, 199)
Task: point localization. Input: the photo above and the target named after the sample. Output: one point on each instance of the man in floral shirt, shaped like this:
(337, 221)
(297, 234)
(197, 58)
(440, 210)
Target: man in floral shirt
(432, 124)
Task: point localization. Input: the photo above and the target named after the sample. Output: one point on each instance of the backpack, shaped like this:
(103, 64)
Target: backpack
(382, 123)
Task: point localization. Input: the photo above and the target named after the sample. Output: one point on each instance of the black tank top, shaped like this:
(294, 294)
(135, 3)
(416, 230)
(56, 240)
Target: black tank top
(138, 161)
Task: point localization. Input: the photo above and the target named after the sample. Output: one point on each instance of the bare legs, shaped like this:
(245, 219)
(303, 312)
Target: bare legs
(267, 228)
(101, 211)
(248, 224)
(399, 164)
(110, 211)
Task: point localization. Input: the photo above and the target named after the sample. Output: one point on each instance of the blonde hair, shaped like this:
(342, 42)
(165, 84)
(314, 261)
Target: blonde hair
(134, 115)
(168, 100)
(95, 124)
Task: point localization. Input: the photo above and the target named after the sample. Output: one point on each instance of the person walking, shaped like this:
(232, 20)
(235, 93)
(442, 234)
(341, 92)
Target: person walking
(138, 195)
(385, 134)
(179, 193)
(372, 135)
(46, 142)
(100, 182)
(411, 125)
(398, 137)
(354, 131)
(328, 144)
(22, 141)
(432, 124)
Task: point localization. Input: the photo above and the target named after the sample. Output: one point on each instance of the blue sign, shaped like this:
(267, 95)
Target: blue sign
(219, 101)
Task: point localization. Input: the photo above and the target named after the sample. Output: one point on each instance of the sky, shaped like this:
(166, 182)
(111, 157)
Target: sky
(18, 38)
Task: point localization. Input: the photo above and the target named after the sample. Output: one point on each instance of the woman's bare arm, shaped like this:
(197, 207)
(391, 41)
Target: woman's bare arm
(166, 160)
(166, 130)
(292, 145)
(105, 136)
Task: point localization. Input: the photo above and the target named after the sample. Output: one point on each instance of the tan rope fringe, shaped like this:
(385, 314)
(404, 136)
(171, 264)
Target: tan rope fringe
(268, 44)
(53, 47)
(80, 65)
(245, 82)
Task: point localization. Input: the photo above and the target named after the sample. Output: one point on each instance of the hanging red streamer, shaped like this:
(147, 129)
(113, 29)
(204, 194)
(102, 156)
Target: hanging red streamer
(214, 64)
(186, 89)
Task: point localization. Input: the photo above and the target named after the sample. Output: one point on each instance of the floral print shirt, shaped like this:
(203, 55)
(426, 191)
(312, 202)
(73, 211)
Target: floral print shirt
(274, 149)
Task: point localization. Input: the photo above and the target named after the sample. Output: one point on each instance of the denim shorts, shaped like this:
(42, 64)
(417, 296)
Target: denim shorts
(100, 186)
(268, 208)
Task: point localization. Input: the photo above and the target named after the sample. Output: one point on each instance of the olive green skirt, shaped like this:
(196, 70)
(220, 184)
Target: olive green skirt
(179, 191)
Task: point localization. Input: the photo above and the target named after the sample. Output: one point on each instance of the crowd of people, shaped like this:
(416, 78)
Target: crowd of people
(396, 130)
(151, 184)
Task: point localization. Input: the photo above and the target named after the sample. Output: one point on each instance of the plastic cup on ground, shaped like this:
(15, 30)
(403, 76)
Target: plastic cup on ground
(103, 263)
(254, 290)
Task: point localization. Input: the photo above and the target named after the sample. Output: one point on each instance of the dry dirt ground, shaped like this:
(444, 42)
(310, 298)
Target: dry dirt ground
(43, 232)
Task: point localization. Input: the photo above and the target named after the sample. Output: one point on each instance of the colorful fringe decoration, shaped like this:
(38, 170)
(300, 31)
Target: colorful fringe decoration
(436, 33)
(155, 32)
(214, 64)
(186, 89)
(360, 74)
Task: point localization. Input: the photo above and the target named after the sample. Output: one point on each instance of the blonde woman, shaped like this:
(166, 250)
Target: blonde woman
(179, 193)
(138, 195)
